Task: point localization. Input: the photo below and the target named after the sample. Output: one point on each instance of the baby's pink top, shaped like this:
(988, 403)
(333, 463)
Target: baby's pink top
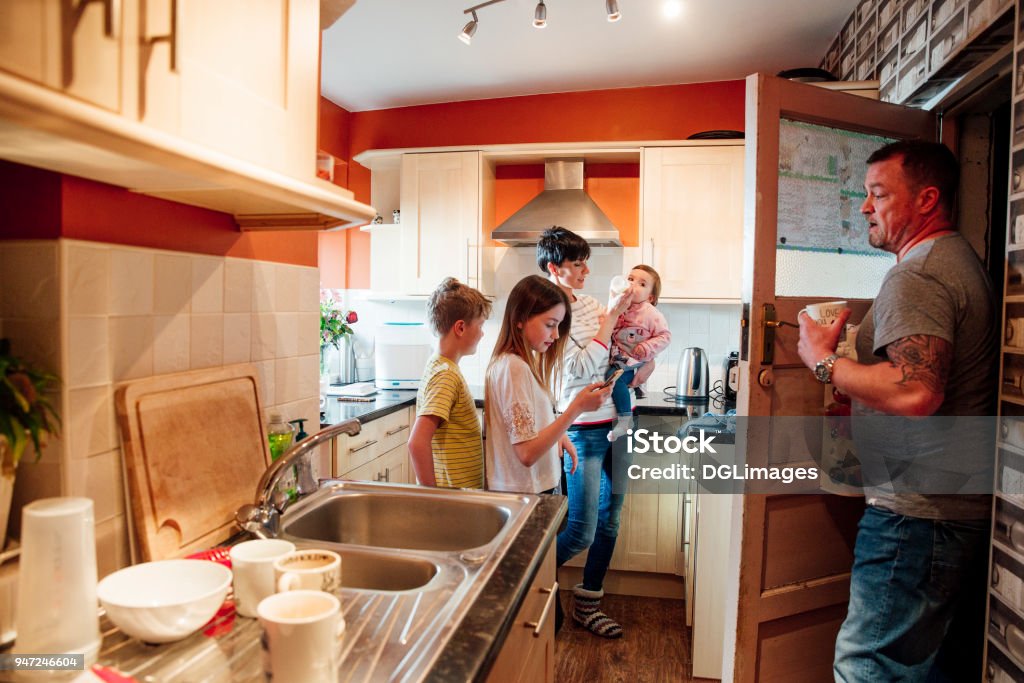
(641, 332)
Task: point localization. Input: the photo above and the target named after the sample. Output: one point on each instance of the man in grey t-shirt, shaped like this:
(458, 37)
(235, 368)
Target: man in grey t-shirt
(927, 348)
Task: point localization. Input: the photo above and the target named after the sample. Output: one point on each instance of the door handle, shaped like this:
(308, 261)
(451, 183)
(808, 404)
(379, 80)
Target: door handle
(396, 430)
(539, 624)
(71, 12)
(171, 38)
(361, 447)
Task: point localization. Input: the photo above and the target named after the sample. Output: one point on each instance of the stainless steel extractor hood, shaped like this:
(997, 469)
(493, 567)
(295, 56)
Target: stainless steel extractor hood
(564, 203)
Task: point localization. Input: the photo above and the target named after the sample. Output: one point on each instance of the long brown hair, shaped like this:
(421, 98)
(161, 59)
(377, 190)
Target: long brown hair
(532, 296)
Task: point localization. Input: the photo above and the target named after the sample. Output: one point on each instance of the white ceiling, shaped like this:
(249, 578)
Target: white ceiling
(393, 53)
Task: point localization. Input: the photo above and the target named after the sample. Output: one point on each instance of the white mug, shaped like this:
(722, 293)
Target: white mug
(252, 563)
(317, 570)
(824, 313)
(301, 632)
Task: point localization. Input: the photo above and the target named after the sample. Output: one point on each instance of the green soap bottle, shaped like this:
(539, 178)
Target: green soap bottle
(280, 435)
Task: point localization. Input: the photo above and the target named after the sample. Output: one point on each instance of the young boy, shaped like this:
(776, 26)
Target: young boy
(445, 444)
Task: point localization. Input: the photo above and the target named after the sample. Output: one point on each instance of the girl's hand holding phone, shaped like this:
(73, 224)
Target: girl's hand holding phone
(591, 397)
(567, 446)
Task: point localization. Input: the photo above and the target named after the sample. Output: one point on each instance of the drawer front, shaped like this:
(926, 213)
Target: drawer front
(353, 451)
(395, 428)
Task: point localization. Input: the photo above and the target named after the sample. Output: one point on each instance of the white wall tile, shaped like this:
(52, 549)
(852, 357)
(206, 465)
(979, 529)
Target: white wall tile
(265, 372)
(287, 344)
(31, 280)
(89, 423)
(131, 347)
(309, 377)
(308, 327)
(207, 341)
(87, 279)
(264, 336)
(88, 351)
(207, 284)
(171, 343)
(112, 549)
(286, 288)
(99, 478)
(131, 281)
(309, 289)
(700, 320)
(238, 293)
(172, 284)
(237, 338)
(33, 481)
(263, 287)
(287, 380)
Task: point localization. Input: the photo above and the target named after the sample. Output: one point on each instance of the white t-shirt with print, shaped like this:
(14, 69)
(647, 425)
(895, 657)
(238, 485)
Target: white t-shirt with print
(517, 408)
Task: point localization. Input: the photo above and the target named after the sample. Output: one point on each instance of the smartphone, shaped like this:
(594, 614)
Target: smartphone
(611, 380)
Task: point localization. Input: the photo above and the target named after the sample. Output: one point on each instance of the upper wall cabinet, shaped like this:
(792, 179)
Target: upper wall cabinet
(691, 225)
(440, 216)
(233, 75)
(207, 103)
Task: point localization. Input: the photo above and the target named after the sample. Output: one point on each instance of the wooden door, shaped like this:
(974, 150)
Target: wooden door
(791, 554)
(693, 219)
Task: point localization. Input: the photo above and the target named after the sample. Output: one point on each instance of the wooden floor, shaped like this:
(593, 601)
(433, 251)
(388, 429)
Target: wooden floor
(654, 645)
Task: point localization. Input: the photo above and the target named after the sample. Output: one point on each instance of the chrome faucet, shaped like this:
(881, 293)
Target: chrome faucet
(264, 518)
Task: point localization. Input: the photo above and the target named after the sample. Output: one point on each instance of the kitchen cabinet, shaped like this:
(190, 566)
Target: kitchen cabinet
(378, 452)
(691, 222)
(234, 75)
(528, 654)
(440, 218)
(74, 48)
(208, 104)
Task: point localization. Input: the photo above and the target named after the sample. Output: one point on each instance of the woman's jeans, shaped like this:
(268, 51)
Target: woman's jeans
(594, 507)
(917, 600)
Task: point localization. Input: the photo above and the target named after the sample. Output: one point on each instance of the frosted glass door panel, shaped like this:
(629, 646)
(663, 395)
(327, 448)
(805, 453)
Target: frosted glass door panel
(822, 247)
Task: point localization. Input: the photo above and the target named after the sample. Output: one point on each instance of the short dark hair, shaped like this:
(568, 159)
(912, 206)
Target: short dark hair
(925, 164)
(558, 245)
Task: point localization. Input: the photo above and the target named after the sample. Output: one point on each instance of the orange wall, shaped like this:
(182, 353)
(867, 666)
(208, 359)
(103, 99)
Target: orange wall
(45, 205)
(671, 112)
(335, 125)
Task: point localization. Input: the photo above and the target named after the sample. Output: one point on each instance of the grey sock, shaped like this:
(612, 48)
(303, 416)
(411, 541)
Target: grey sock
(587, 613)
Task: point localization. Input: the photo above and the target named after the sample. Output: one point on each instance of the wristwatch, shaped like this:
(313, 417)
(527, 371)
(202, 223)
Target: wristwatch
(823, 368)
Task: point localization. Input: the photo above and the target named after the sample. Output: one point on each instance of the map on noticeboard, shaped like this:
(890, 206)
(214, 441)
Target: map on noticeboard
(821, 188)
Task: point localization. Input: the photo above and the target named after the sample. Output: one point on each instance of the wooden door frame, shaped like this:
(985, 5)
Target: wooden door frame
(767, 100)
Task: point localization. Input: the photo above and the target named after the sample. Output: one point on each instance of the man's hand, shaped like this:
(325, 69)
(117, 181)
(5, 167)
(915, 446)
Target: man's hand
(818, 341)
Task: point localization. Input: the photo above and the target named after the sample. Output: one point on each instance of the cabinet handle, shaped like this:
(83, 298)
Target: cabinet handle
(365, 445)
(396, 430)
(170, 38)
(539, 624)
(387, 474)
(71, 12)
(652, 250)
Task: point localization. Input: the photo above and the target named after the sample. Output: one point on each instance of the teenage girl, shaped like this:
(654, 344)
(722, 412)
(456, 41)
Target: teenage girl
(524, 438)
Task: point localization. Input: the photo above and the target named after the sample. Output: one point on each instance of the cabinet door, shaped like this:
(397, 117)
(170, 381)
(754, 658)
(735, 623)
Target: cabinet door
(440, 218)
(394, 466)
(238, 76)
(71, 47)
(692, 220)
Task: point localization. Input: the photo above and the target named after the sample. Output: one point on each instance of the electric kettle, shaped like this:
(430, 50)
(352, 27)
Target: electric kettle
(692, 377)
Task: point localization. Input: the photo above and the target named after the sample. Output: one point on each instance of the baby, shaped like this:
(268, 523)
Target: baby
(640, 334)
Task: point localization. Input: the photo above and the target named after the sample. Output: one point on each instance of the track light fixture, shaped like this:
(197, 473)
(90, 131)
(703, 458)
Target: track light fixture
(468, 30)
(612, 7)
(540, 16)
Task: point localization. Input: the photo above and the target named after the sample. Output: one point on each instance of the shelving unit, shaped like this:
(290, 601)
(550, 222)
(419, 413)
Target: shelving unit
(917, 48)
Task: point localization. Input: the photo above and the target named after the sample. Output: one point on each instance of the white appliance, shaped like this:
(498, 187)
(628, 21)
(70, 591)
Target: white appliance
(401, 351)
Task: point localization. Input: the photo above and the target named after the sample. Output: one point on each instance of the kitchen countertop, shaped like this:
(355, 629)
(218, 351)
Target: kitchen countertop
(390, 400)
(228, 649)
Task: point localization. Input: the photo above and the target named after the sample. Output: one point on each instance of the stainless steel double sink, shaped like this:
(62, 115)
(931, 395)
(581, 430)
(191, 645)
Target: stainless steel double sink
(414, 560)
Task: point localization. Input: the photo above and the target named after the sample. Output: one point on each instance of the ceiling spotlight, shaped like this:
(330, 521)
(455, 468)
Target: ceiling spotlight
(672, 9)
(613, 10)
(540, 15)
(468, 30)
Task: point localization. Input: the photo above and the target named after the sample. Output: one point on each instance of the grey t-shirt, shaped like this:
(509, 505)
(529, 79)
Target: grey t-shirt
(940, 289)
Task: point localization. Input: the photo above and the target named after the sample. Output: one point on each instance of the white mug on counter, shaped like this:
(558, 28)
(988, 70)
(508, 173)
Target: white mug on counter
(252, 563)
(824, 313)
(311, 569)
(301, 633)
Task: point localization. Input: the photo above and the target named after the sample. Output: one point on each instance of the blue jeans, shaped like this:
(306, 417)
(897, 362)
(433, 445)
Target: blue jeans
(917, 600)
(620, 390)
(594, 505)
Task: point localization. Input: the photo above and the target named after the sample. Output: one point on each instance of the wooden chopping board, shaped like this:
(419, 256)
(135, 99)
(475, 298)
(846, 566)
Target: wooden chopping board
(194, 451)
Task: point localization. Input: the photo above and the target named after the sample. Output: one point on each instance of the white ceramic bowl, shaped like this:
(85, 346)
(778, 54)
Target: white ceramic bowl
(164, 601)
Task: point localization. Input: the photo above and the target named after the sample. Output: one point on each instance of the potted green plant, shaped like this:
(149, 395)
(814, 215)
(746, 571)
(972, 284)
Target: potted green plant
(26, 417)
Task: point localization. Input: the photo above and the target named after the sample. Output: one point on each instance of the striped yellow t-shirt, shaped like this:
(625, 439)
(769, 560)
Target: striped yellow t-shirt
(457, 444)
